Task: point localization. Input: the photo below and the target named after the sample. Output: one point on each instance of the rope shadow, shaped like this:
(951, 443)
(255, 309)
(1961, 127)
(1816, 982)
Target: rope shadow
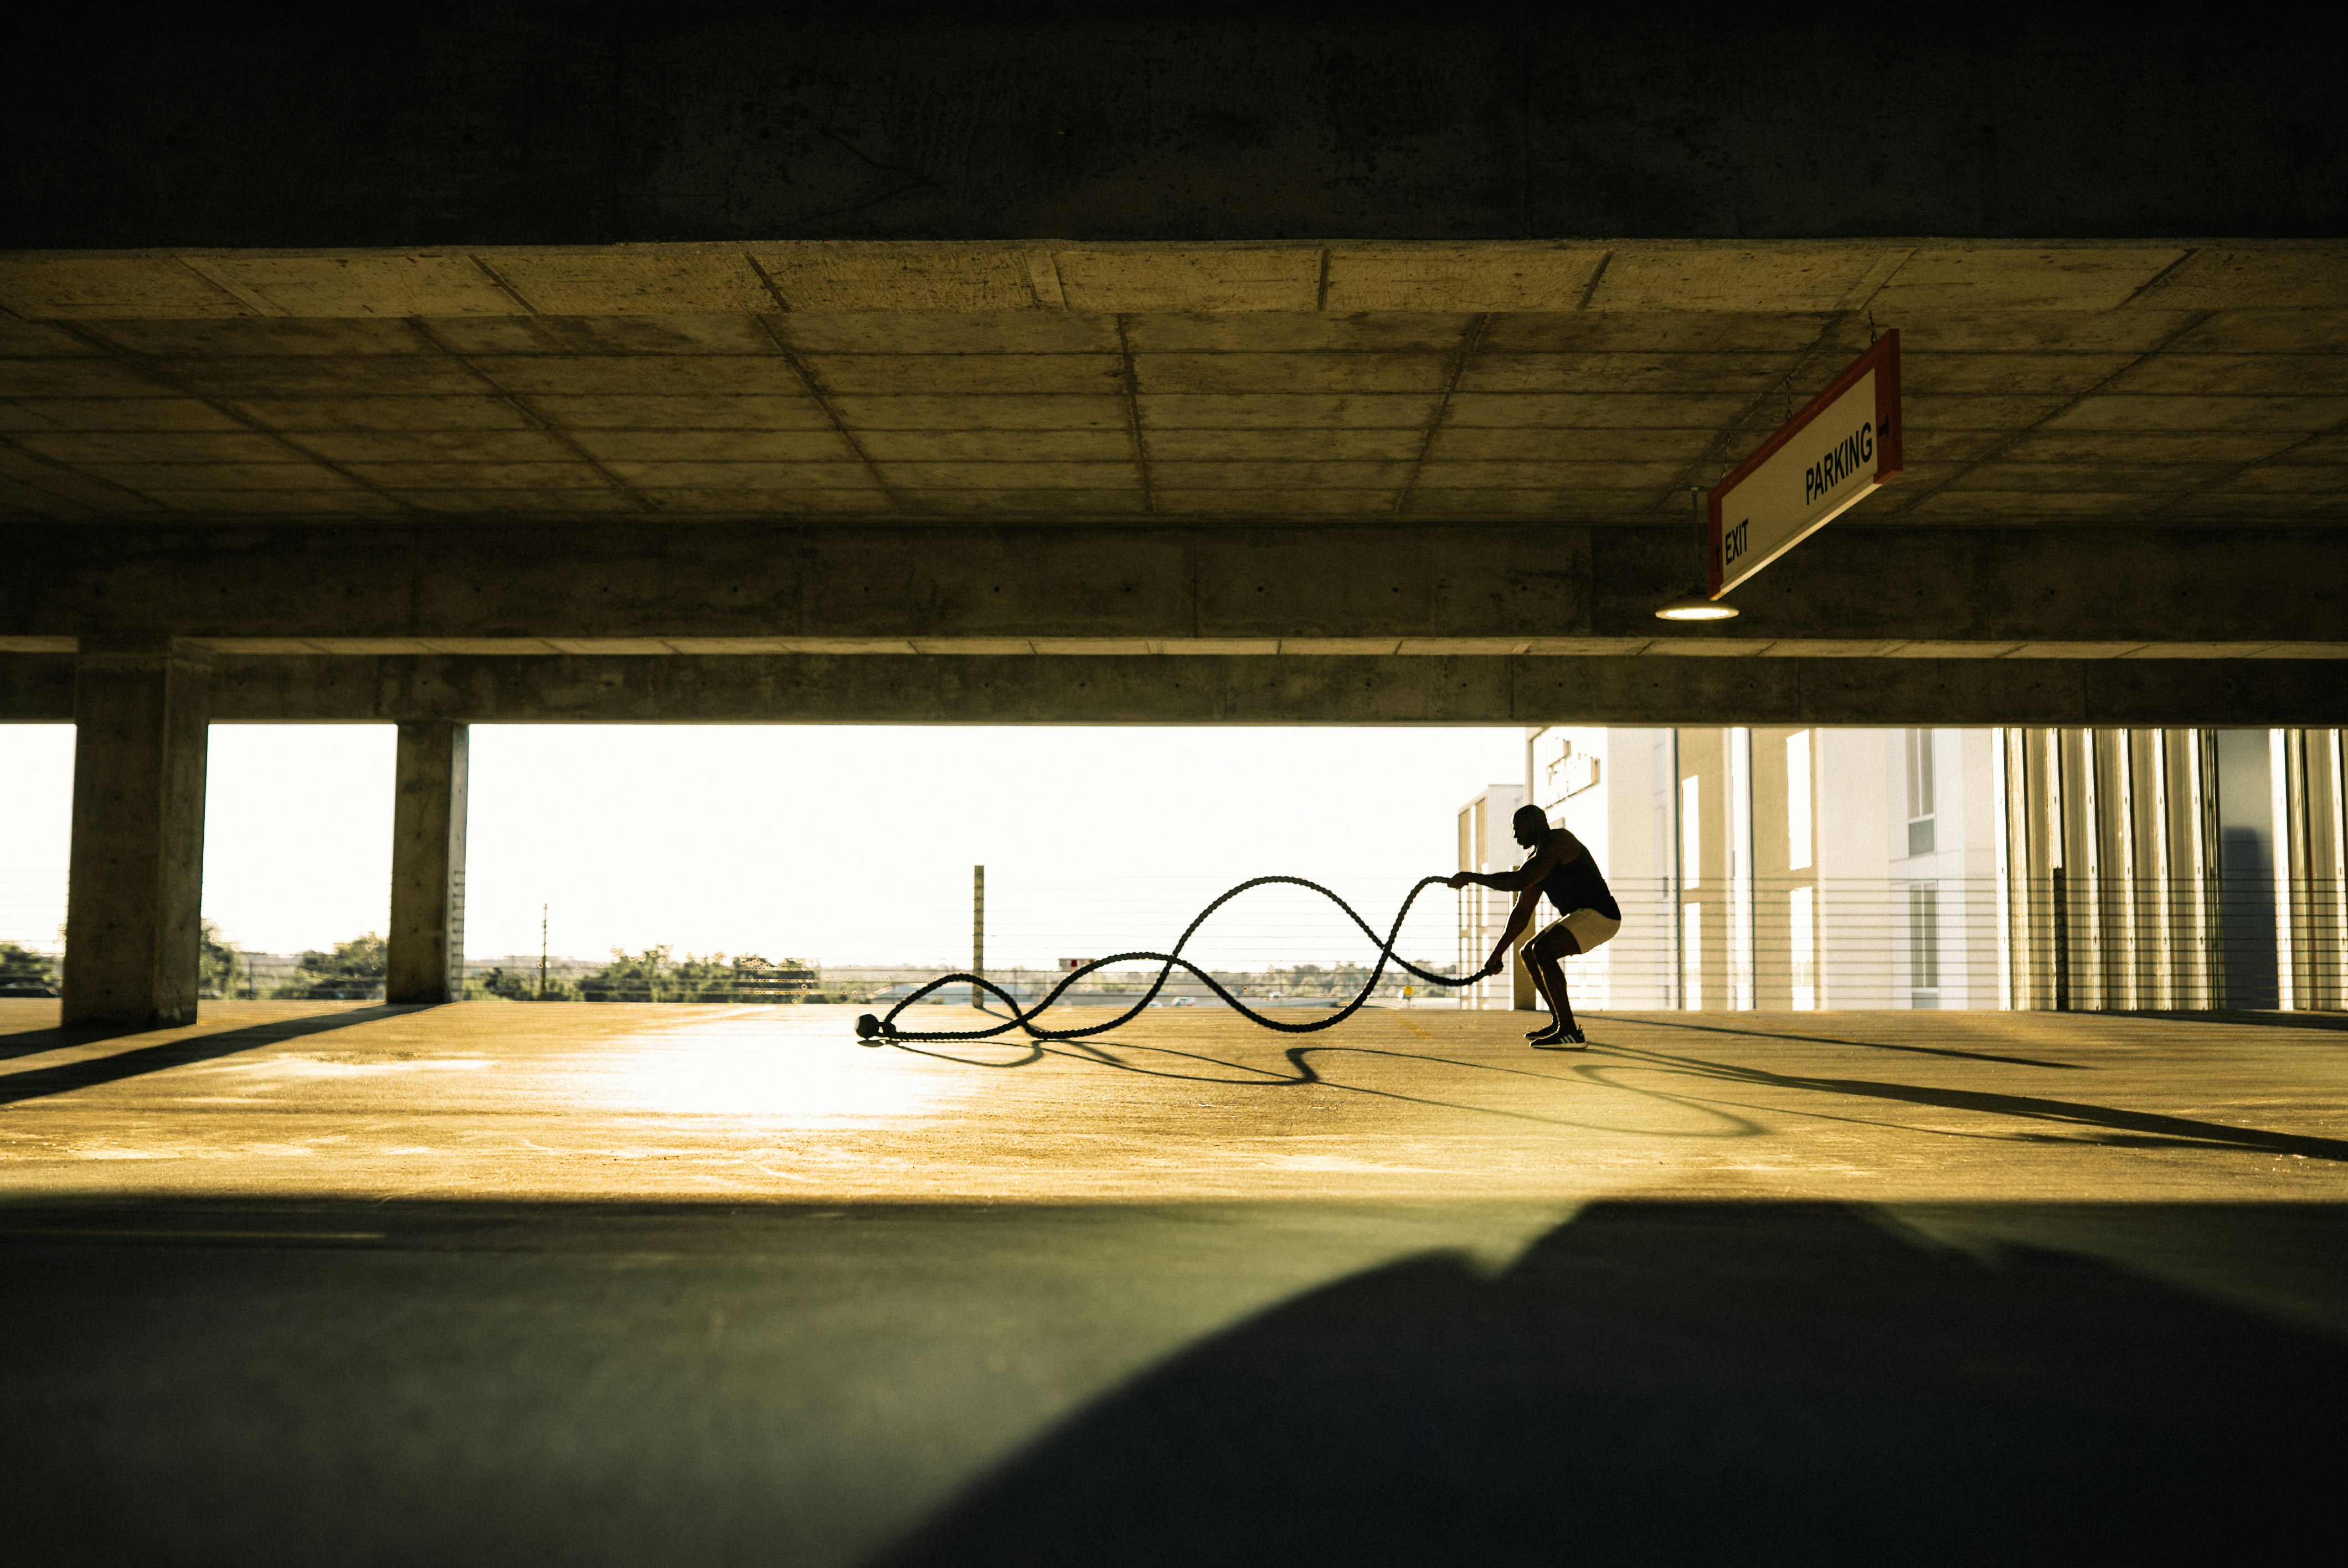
(2161, 1131)
(1304, 1075)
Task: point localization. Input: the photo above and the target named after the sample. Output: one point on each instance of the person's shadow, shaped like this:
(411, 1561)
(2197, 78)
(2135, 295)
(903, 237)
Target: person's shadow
(1698, 1383)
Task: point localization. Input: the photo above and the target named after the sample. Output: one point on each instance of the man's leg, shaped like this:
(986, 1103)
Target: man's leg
(1525, 957)
(1541, 955)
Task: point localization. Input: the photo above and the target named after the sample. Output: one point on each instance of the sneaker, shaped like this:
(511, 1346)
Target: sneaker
(1543, 1032)
(1565, 1039)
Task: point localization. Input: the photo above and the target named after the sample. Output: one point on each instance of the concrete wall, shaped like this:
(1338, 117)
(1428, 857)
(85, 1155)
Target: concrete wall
(435, 124)
(1856, 911)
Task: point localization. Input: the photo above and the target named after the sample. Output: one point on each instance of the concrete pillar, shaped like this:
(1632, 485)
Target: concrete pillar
(1743, 983)
(428, 864)
(2203, 846)
(2128, 968)
(2161, 840)
(136, 882)
(2006, 806)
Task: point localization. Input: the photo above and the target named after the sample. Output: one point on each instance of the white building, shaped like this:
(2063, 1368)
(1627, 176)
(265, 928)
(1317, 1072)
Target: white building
(1951, 868)
(2174, 869)
(1783, 868)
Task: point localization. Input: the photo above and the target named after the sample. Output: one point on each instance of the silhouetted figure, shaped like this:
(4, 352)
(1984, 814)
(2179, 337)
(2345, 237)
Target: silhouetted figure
(1562, 868)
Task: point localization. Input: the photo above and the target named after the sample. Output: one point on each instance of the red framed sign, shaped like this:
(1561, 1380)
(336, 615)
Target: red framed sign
(1831, 456)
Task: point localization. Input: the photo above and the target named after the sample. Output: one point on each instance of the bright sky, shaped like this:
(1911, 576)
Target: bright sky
(841, 844)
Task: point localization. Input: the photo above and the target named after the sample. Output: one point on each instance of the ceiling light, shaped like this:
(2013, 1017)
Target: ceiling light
(1694, 608)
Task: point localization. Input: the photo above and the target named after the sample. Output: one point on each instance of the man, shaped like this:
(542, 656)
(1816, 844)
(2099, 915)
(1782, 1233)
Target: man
(1562, 868)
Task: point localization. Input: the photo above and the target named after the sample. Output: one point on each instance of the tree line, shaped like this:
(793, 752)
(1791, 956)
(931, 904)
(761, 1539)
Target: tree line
(355, 971)
(657, 975)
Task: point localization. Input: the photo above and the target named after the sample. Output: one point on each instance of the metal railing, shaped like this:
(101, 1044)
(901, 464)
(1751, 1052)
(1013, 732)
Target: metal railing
(2055, 941)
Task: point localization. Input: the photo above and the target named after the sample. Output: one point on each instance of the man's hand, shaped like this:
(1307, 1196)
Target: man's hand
(1456, 880)
(1494, 966)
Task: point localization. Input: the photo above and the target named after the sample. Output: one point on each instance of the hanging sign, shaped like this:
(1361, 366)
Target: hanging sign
(1832, 454)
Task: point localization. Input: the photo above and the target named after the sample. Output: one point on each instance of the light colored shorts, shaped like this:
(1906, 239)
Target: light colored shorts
(1590, 928)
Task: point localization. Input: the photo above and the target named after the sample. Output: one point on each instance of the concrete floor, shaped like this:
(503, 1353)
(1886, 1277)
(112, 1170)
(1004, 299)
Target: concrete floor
(489, 1282)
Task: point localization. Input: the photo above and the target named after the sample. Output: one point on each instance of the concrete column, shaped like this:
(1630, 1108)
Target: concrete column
(2161, 840)
(2060, 924)
(136, 882)
(2203, 850)
(1744, 986)
(2005, 803)
(2128, 970)
(2335, 994)
(428, 864)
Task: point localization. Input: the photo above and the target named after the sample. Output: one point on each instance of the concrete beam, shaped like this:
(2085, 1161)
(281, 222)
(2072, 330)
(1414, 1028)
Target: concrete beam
(441, 124)
(815, 295)
(427, 863)
(1179, 689)
(1471, 589)
(136, 878)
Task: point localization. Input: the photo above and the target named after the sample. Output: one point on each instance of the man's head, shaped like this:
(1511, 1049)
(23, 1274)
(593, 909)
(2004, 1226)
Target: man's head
(1531, 823)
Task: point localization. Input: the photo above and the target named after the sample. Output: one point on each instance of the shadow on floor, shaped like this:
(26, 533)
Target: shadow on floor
(2268, 1020)
(2049, 1119)
(2105, 1124)
(1696, 1383)
(1776, 1034)
(68, 1076)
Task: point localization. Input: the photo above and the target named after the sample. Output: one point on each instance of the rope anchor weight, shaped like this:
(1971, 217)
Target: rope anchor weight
(882, 1030)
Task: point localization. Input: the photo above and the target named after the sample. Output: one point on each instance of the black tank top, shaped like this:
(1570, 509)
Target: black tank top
(1578, 883)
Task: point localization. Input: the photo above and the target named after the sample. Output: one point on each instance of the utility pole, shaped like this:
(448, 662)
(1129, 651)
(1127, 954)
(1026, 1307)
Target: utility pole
(977, 926)
(541, 952)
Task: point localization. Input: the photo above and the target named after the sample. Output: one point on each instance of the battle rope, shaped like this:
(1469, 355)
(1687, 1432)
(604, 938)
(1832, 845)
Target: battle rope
(881, 1030)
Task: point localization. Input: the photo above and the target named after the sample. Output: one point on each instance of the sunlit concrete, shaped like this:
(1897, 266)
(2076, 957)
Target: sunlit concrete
(488, 1282)
(598, 1101)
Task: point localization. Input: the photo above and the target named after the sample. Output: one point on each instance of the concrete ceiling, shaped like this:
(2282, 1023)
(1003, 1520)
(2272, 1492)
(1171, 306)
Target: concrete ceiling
(2082, 383)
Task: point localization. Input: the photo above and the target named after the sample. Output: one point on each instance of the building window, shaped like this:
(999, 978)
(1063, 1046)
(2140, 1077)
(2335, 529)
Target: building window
(1692, 955)
(1691, 834)
(1920, 792)
(1924, 945)
(1802, 948)
(1797, 800)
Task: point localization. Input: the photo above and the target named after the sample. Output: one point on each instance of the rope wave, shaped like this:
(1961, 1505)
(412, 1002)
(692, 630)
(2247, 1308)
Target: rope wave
(880, 1031)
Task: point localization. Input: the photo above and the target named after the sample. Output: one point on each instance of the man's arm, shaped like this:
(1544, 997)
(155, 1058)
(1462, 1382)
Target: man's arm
(1519, 918)
(1506, 881)
(1526, 883)
(1561, 849)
